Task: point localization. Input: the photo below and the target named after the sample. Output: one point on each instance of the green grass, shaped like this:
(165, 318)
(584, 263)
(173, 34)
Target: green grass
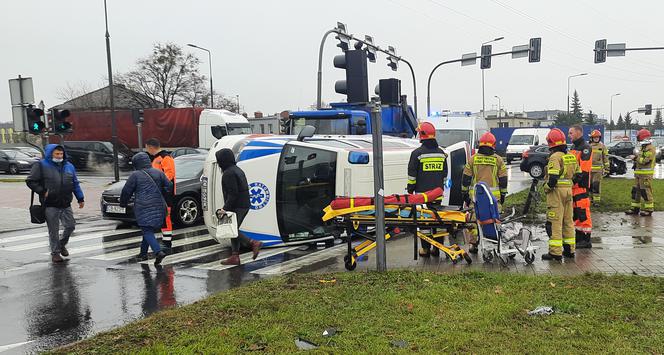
(470, 312)
(616, 197)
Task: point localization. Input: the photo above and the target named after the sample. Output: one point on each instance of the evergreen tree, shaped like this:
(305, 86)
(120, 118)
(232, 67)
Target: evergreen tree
(611, 126)
(628, 122)
(591, 118)
(575, 107)
(658, 124)
(621, 122)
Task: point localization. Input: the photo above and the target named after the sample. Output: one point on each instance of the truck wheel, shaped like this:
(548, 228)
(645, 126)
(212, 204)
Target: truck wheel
(536, 170)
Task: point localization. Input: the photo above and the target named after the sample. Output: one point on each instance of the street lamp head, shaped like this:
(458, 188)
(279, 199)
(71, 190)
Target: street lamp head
(192, 45)
(498, 39)
(616, 94)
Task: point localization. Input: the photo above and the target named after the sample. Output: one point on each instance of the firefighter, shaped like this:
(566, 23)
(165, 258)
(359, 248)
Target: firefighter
(600, 165)
(561, 170)
(644, 168)
(427, 170)
(162, 161)
(584, 156)
(488, 167)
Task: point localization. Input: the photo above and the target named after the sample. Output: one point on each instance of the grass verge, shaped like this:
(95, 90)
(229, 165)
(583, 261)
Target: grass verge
(469, 312)
(616, 197)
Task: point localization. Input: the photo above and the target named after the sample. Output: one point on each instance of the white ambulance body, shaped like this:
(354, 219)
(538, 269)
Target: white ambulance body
(291, 181)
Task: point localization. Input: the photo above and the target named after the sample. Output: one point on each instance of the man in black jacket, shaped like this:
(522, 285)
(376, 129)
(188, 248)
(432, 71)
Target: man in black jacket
(235, 189)
(54, 180)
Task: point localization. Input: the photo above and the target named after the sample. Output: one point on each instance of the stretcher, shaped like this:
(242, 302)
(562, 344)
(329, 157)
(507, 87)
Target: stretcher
(428, 224)
(493, 240)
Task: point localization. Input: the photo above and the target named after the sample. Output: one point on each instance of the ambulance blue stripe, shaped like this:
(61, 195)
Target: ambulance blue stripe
(267, 239)
(248, 154)
(266, 144)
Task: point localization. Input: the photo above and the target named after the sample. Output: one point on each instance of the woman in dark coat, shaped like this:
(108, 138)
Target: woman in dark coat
(235, 189)
(148, 185)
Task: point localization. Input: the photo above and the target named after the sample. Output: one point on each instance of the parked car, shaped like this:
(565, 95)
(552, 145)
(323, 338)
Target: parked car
(14, 162)
(534, 160)
(89, 154)
(185, 151)
(186, 209)
(621, 148)
(659, 146)
(31, 151)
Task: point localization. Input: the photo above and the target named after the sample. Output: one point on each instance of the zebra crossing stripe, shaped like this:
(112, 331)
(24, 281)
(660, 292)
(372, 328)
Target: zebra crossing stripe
(189, 255)
(245, 258)
(77, 232)
(128, 253)
(296, 264)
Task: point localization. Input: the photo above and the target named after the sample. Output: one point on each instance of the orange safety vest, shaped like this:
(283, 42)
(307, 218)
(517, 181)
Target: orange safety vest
(582, 219)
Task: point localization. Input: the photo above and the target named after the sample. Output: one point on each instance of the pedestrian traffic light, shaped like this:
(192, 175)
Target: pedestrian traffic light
(356, 85)
(137, 116)
(535, 50)
(392, 58)
(485, 60)
(600, 51)
(648, 110)
(35, 123)
(60, 124)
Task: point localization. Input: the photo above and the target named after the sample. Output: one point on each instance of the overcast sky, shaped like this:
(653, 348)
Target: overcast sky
(266, 51)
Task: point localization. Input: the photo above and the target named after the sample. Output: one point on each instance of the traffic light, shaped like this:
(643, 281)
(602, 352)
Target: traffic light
(60, 124)
(356, 85)
(137, 116)
(35, 123)
(535, 50)
(392, 58)
(600, 51)
(342, 36)
(485, 60)
(648, 110)
(371, 49)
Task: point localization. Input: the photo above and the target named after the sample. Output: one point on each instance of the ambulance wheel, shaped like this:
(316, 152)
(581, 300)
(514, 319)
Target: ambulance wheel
(530, 257)
(348, 264)
(467, 258)
(487, 257)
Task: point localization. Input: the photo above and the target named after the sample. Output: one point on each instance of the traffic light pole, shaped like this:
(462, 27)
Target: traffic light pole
(377, 143)
(320, 69)
(114, 124)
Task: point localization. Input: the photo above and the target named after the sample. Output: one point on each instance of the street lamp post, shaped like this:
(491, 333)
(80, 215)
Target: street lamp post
(568, 79)
(238, 103)
(483, 107)
(611, 109)
(114, 125)
(210, 61)
(500, 122)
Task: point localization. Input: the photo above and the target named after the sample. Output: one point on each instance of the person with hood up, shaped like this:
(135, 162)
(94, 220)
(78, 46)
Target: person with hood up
(148, 186)
(235, 189)
(54, 180)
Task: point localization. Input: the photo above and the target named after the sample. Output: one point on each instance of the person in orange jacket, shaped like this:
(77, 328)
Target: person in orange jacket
(583, 223)
(162, 161)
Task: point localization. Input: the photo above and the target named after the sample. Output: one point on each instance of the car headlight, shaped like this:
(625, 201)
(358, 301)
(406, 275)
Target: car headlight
(23, 162)
(120, 156)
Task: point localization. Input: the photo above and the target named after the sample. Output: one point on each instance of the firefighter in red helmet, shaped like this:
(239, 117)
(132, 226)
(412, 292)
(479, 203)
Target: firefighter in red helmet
(488, 167)
(644, 169)
(561, 170)
(427, 170)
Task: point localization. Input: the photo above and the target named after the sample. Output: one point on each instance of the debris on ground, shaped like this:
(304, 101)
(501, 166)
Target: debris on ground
(329, 332)
(541, 311)
(304, 344)
(399, 344)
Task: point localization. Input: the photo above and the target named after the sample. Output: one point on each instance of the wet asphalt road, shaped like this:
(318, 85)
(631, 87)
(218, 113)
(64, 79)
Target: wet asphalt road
(103, 286)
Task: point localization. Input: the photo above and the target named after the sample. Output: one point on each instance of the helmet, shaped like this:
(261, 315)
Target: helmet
(555, 138)
(488, 140)
(596, 134)
(643, 134)
(426, 131)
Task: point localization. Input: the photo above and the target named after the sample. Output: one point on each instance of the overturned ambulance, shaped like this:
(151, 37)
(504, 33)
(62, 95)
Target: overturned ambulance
(292, 179)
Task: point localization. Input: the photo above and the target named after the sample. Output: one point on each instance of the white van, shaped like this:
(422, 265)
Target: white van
(455, 127)
(524, 138)
(214, 124)
(292, 180)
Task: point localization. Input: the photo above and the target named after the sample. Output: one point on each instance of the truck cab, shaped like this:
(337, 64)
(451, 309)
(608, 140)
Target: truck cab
(214, 124)
(455, 127)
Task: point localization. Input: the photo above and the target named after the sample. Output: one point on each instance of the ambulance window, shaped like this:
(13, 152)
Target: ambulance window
(305, 186)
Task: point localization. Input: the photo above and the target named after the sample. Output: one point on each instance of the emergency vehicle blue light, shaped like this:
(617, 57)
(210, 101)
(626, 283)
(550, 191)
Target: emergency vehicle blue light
(448, 183)
(358, 157)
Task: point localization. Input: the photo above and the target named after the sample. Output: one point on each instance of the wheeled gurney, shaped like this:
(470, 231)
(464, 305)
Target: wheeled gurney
(402, 212)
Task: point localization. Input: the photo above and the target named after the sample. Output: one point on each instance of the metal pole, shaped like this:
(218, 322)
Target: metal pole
(238, 103)
(211, 89)
(429, 82)
(139, 128)
(376, 133)
(483, 106)
(412, 73)
(114, 124)
(568, 79)
(500, 121)
(320, 69)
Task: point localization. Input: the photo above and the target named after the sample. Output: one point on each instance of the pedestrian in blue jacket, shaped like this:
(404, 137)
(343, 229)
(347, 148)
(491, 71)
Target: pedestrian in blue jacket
(148, 186)
(54, 180)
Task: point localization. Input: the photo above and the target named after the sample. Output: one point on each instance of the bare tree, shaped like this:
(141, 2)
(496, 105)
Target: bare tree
(167, 76)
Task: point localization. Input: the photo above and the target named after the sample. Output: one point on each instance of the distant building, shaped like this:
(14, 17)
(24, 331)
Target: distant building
(99, 100)
(505, 118)
(261, 124)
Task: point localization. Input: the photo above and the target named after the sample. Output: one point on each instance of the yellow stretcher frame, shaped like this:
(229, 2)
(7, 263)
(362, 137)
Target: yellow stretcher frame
(352, 218)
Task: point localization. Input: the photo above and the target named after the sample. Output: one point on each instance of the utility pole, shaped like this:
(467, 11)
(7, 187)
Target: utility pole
(377, 137)
(114, 124)
(483, 106)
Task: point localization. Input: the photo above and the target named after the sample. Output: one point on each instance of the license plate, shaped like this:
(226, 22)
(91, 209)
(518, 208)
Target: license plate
(115, 209)
(204, 193)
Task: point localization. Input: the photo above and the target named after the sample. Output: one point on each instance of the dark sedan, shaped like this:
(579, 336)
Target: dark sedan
(186, 209)
(14, 162)
(534, 162)
(621, 148)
